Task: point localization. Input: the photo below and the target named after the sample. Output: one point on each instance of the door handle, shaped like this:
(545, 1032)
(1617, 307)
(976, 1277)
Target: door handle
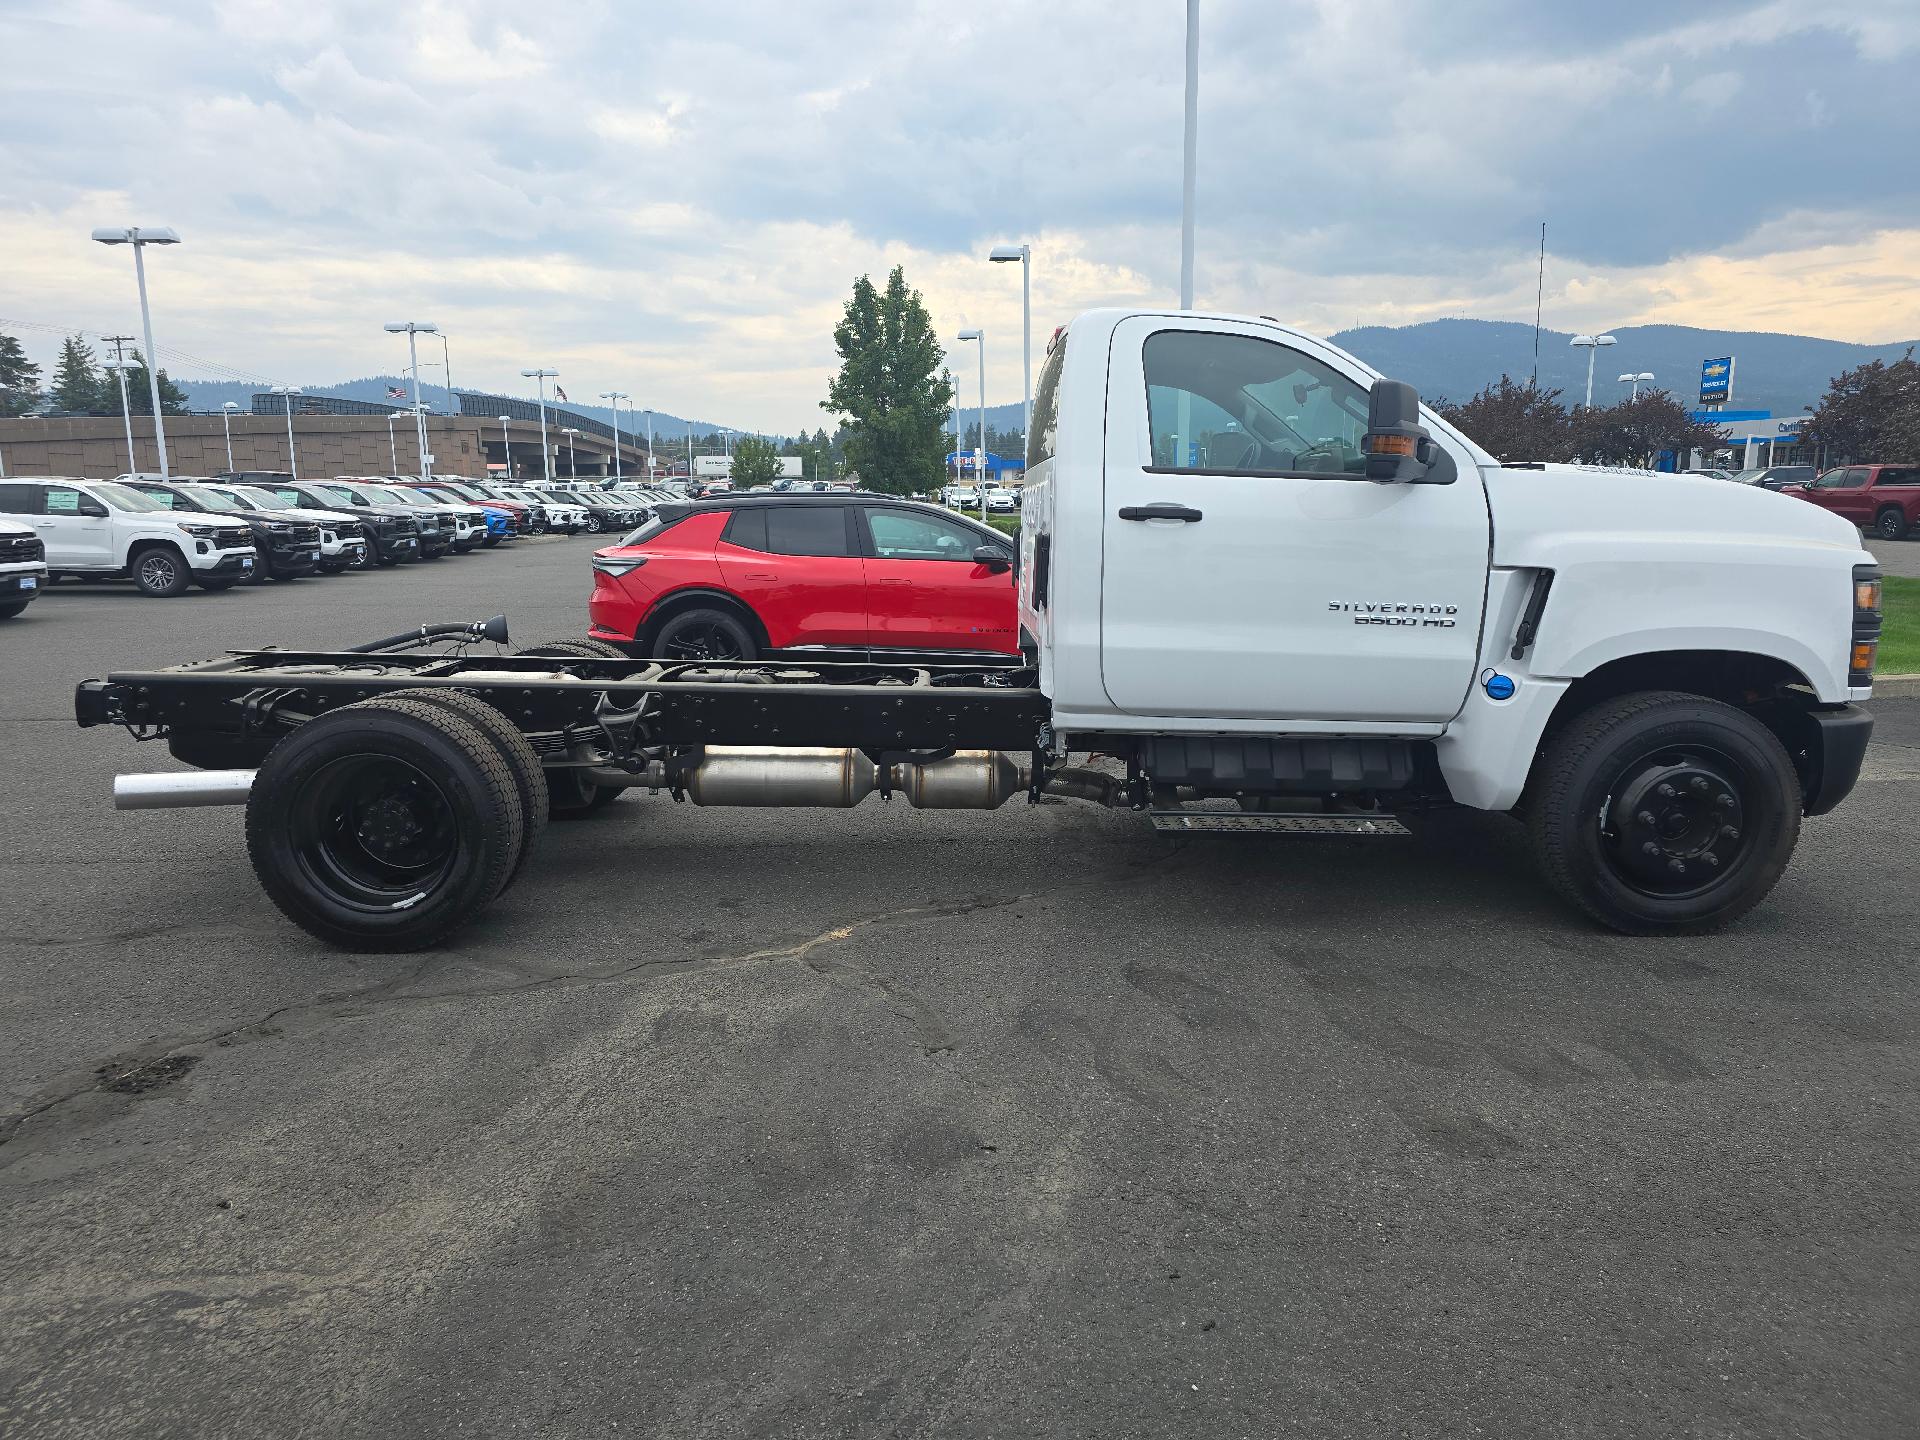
(1160, 511)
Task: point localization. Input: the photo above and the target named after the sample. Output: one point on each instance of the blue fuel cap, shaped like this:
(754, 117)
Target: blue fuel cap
(1499, 687)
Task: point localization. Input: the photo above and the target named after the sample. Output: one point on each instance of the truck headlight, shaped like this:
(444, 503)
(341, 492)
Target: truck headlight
(199, 532)
(1867, 588)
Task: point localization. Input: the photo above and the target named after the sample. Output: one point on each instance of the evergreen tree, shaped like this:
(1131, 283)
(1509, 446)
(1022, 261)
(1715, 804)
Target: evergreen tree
(173, 400)
(890, 388)
(78, 388)
(19, 378)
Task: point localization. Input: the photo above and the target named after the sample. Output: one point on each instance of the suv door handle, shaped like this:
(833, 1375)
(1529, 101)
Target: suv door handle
(1160, 511)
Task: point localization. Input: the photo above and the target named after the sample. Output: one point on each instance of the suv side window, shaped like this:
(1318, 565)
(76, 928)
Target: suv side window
(747, 528)
(1850, 479)
(19, 499)
(808, 530)
(1235, 405)
(909, 535)
(61, 500)
(1898, 475)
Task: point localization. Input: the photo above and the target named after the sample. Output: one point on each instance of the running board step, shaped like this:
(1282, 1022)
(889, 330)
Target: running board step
(1310, 824)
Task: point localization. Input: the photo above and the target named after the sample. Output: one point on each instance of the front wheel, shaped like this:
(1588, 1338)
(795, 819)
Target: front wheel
(1662, 812)
(595, 525)
(160, 571)
(1890, 524)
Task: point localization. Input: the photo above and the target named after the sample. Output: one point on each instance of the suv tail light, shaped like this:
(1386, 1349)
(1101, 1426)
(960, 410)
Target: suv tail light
(1867, 589)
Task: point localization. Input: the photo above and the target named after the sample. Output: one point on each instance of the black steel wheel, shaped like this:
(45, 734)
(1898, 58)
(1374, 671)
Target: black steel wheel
(1891, 523)
(161, 571)
(1661, 811)
(384, 825)
(696, 635)
(513, 747)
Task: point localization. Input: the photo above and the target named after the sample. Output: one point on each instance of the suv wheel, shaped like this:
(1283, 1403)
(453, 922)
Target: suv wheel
(160, 571)
(594, 524)
(704, 635)
(1890, 523)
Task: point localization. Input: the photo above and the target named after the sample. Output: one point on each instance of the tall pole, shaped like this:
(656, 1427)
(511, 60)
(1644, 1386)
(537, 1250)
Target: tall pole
(126, 413)
(1539, 295)
(1592, 350)
(393, 450)
(1026, 347)
(506, 441)
(614, 397)
(546, 453)
(649, 441)
(1192, 154)
(226, 429)
(153, 358)
(293, 460)
(419, 415)
(981, 478)
(446, 374)
(689, 454)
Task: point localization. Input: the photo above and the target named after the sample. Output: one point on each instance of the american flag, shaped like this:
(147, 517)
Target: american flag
(396, 392)
(558, 393)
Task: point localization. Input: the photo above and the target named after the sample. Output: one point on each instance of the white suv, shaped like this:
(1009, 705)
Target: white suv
(23, 571)
(100, 530)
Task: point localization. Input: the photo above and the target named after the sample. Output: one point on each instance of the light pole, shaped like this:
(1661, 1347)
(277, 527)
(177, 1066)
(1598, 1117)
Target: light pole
(1191, 156)
(226, 428)
(573, 456)
(1591, 344)
(649, 439)
(546, 455)
(393, 450)
(1024, 255)
(616, 396)
(506, 440)
(288, 392)
(980, 467)
(446, 374)
(1634, 380)
(411, 329)
(141, 236)
(120, 368)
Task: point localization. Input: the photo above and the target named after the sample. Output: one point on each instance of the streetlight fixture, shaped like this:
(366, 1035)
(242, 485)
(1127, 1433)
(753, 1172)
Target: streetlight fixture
(1591, 344)
(288, 392)
(573, 456)
(141, 236)
(1024, 254)
(411, 329)
(1634, 380)
(546, 455)
(226, 428)
(120, 368)
(980, 468)
(506, 439)
(616, 396)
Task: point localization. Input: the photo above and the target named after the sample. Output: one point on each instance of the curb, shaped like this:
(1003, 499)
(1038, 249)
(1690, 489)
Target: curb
(1895, 687)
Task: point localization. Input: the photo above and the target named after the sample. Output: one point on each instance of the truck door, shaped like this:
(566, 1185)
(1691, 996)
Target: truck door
(76, 529)
(1250, 570)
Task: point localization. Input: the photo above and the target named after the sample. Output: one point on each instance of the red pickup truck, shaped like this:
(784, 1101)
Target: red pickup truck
(1881, 499)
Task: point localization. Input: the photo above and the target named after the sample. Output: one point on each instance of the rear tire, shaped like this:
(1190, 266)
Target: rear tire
(1891, 524)
(384, 825)
(529, 777)
(577, 649)
(160, 571)
(1662, 812)
(703, 634)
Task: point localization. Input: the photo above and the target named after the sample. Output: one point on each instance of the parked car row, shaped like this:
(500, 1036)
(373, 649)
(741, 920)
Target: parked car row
(1000, 499)
(168, 534)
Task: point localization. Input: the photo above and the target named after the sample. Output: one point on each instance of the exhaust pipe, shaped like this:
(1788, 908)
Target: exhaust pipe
(172, 790)
(835, 778)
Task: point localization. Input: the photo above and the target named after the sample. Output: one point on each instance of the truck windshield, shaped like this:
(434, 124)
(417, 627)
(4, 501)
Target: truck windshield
(339, 494)
(215, 499)
(260, 500)
(120, 497)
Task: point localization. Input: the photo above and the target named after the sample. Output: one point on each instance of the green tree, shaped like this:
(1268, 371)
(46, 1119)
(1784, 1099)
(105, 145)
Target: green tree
(19, 378)
(173, 400)
(78, 388)
(1514, 422)
(1634, 432)
(755, 462)
(890, 391)
(1869, 413)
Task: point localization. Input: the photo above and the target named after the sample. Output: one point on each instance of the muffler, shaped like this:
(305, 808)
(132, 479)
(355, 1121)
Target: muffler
(835, 778)
(170, 790)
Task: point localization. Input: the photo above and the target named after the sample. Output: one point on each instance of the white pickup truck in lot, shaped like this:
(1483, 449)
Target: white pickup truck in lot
(23, 568)
(1271, 590)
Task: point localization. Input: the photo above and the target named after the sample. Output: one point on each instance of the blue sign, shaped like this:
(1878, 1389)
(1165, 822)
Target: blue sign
(1716, 380)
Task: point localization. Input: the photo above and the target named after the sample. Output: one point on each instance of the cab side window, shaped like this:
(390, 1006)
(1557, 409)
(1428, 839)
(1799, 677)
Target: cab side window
(19, 499)
(1236, 405)
(62, 500)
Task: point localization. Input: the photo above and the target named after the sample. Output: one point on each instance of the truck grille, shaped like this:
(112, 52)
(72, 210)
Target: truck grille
(233, 540)
(15, 550)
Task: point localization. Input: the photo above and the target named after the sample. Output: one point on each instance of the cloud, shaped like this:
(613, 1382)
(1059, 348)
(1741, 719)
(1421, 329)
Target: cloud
(676, 203)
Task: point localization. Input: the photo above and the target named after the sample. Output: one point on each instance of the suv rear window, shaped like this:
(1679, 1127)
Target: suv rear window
(1899, 475)
(808, 530)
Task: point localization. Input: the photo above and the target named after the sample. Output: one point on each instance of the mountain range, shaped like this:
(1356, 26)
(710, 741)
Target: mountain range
(1443, 359)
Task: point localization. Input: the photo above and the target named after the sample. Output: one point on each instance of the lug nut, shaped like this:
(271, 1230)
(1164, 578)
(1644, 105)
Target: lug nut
(1700, 782)
(1713, 860)
(1649, 848)
(1645, 817)
(1678, 867)
(1664, 791)
(1731, 832)
(1724, 800)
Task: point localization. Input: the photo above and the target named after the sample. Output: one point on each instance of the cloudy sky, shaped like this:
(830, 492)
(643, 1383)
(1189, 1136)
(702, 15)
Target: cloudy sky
(673, 200)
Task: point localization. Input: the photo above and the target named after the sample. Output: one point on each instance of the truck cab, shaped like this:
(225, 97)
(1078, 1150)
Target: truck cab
(1246, 556)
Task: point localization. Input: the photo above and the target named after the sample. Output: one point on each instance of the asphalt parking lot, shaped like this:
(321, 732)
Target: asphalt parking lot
(892, 1123)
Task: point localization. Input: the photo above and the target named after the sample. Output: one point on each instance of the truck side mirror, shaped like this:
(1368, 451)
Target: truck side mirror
(992, 556)
(1399, 449)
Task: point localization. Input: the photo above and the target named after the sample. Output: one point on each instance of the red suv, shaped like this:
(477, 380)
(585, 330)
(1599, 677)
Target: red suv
(744, 576)
(1882, 499)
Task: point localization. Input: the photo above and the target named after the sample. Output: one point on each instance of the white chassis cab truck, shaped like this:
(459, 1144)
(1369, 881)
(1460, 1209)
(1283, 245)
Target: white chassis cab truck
(1264, 584)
